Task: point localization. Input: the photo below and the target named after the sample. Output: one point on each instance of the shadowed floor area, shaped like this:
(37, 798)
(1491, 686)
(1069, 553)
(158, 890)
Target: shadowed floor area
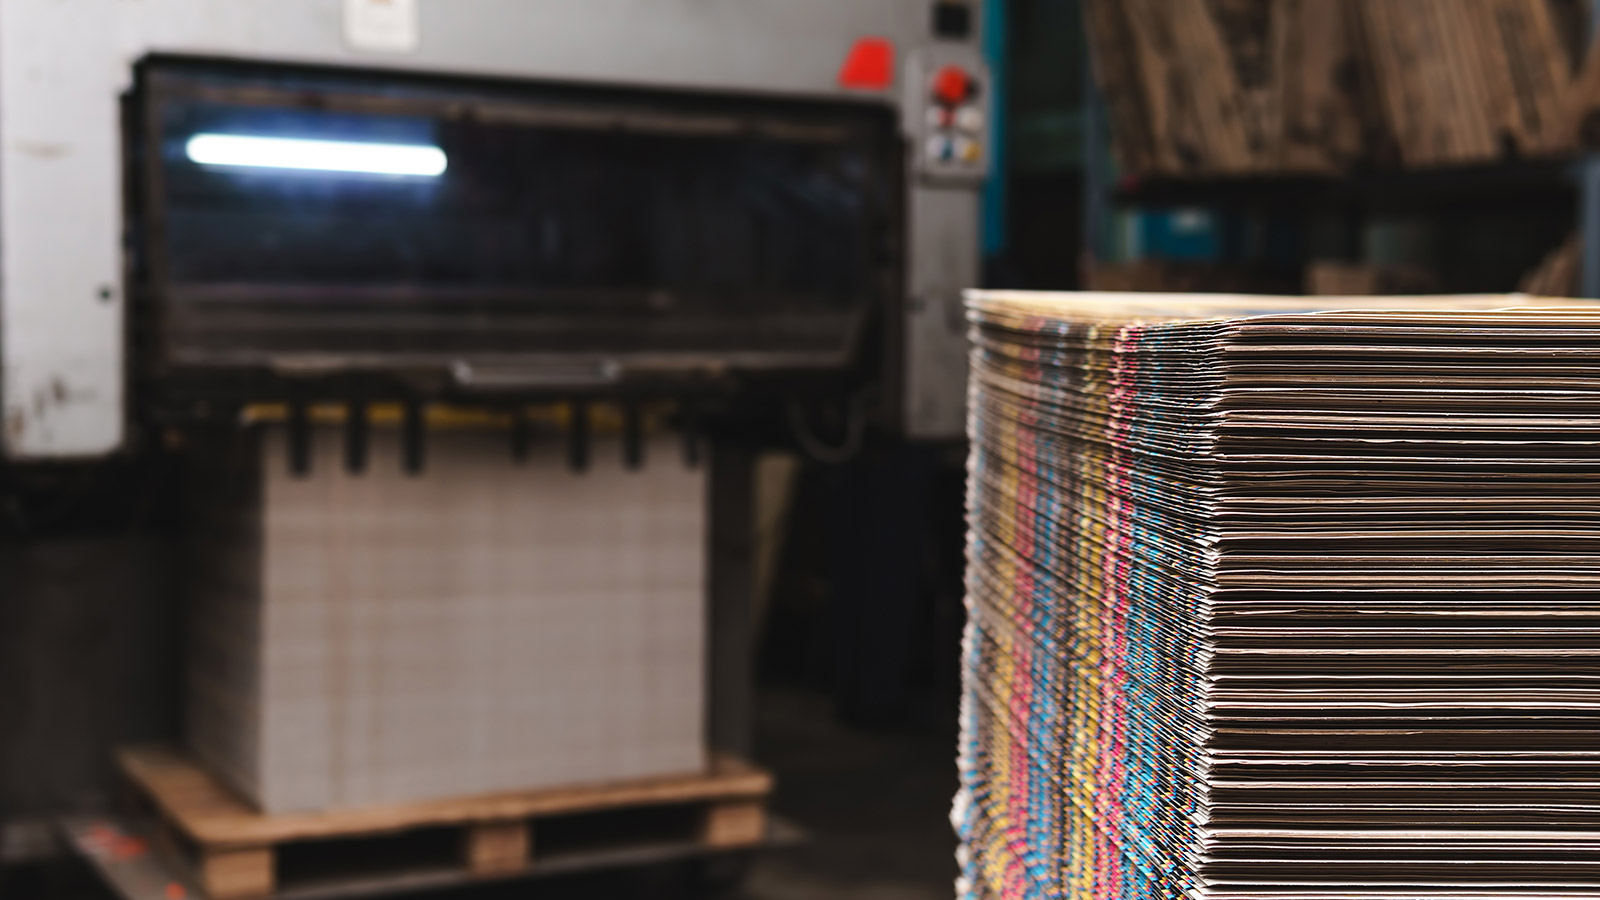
(874, 805)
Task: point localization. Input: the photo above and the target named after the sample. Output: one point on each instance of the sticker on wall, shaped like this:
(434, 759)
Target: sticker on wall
(385, 25)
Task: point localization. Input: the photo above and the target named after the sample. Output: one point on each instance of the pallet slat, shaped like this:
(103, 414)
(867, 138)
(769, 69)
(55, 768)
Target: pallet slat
(210, 814)
(737, 823)
(496, 847)
(134, 869)
(237, 873)
(235, 847)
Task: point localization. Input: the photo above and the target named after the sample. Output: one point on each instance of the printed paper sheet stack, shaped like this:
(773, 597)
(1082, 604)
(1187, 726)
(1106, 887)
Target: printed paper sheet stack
(1269, 603)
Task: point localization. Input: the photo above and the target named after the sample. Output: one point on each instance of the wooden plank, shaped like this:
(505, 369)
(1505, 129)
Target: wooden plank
(236, 874)
(117, 852)
(735, 823)
(209, 814)
(496, 848)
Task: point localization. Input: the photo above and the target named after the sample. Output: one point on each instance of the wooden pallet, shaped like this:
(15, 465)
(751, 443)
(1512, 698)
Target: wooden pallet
(239, 853)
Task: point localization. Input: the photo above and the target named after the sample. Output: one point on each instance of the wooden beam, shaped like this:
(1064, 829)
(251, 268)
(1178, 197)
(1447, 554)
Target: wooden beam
(237, 874)
(496, 848)
(735, 823)
(207, 813)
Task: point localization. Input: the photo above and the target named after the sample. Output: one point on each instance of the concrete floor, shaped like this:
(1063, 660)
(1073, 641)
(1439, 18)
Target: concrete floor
(876, 806)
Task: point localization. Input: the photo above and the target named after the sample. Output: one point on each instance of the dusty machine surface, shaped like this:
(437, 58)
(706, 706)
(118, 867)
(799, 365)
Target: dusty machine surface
(757, 215)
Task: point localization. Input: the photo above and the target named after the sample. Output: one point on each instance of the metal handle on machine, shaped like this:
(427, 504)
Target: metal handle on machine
(516, 377)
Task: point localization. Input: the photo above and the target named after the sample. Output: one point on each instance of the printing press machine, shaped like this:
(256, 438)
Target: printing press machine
(757, 216)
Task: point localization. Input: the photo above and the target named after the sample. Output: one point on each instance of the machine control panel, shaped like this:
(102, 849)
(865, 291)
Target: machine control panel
(947, 123)
(947, 105)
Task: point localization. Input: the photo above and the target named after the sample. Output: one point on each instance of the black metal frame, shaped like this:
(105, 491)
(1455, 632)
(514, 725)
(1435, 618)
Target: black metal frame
(178, 382)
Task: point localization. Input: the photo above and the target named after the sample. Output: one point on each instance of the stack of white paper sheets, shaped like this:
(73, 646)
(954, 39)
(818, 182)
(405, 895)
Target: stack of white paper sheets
(1267, 603)
(381, 637)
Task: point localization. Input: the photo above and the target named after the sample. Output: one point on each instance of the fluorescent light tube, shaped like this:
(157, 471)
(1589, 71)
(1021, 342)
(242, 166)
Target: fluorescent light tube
(310, 155)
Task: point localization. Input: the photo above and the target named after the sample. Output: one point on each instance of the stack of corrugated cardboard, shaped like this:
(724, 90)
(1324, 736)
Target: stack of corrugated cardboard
(1272, 603)
(1267, 86)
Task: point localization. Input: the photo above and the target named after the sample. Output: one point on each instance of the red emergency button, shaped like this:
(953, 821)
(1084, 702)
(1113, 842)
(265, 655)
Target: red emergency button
(952, 85)
(870, 65)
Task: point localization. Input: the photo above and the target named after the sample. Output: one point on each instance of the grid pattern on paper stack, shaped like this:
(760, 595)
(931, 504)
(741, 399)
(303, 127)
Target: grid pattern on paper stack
(380, 638)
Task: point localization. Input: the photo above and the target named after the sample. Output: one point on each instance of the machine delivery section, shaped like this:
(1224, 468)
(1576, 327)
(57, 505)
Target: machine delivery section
(291, 219)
